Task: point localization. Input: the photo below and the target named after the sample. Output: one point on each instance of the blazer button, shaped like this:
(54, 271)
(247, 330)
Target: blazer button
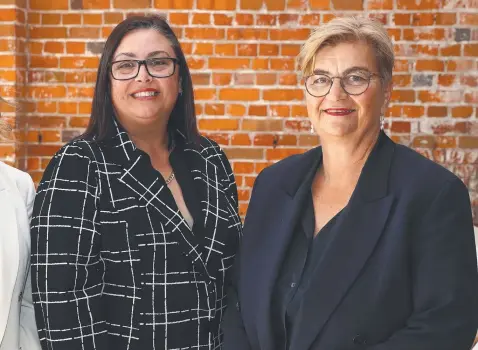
(238, 307)
(359, 340)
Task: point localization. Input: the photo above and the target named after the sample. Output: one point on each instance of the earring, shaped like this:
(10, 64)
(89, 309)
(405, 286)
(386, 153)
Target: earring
(312, 130)
(180, 90)
(382, 122)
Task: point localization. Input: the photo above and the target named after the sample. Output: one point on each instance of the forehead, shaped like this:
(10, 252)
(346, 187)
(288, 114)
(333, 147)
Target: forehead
(343, 56)
(141, 42)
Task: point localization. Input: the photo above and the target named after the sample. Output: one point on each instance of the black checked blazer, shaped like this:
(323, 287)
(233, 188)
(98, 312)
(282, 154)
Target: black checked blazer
(115, 265)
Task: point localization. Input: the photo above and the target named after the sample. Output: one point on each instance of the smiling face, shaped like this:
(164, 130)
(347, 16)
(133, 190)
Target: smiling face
(338, 113)
(144, 102)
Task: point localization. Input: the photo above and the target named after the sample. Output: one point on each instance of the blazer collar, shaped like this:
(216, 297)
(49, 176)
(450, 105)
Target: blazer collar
(148, 186)
(373, 180)
(300, 167)
(355, 237)
(4, 180)
(125, 151)
(370, 199)
(122, 142)
(9, 248)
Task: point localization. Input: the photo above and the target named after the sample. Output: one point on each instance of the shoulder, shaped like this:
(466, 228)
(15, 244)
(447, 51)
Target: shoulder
(289, 165)
(73, 162)
(288, 162)
(79, 150)
(209, 147)
(21, 180)
(419, 182)
(213, 154)
(410, 167)
(211, 151)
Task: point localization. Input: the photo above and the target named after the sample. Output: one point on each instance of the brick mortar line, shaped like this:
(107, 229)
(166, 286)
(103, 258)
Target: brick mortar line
(262, 71)
(412, 120)
(245, 41)
(225, 41)
(277, 26)
(242, 103)
(225, 27)
(461, 87)
(307, 11)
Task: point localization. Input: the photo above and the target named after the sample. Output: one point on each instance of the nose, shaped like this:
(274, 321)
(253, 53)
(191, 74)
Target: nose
(336, 92)
(143, 74)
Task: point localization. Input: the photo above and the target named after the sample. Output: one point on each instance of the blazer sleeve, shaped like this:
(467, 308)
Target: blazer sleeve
(28, 328)
(235, 336)
(67, 270)
(229, 181)
(445, 277)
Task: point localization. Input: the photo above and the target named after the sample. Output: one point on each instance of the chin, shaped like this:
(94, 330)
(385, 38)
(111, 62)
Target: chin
(338, 129)
(144, 119)
(338, 133)
(145, 114)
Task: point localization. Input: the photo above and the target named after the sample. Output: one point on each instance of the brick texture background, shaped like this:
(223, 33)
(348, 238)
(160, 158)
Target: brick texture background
(242, 56)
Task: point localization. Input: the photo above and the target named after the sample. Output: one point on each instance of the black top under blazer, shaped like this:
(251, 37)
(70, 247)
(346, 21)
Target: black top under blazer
(114, 264)
(399, 272)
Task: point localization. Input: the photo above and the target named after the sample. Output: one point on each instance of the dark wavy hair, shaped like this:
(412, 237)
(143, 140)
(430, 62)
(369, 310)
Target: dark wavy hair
(183, 115)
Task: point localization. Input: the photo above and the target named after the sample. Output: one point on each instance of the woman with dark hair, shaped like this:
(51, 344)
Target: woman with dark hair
(135, 223)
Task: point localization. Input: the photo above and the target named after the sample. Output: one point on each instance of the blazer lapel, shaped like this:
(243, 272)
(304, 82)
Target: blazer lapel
(9, 251)
(356, 234)
(288, 206)
(151, 190)
(218, 213)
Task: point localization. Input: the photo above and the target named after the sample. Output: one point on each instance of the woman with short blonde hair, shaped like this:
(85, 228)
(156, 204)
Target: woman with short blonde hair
(350, 29)
(17, 319)
(360, 243)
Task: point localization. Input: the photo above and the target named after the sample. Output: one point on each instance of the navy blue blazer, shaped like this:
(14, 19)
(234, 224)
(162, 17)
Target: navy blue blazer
(400, 272)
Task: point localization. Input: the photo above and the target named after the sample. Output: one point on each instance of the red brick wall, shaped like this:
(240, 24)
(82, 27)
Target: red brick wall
(13, 70)
(241, 53)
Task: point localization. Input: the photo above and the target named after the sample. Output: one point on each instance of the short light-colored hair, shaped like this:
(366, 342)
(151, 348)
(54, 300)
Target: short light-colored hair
(5, 129)
(350, 29)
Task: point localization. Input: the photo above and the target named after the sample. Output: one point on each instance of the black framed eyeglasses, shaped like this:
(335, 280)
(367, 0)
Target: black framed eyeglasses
(355, 83)
(158, 67)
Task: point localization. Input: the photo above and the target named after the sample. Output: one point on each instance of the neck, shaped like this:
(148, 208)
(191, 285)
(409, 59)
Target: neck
(153, 143)
(344, 158)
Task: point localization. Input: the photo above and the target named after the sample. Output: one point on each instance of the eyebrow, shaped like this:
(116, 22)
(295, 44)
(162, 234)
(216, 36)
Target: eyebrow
(345, 72)
(151, 54)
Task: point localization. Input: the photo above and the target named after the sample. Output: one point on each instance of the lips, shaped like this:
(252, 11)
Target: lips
(145, 94)
(339, 111)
